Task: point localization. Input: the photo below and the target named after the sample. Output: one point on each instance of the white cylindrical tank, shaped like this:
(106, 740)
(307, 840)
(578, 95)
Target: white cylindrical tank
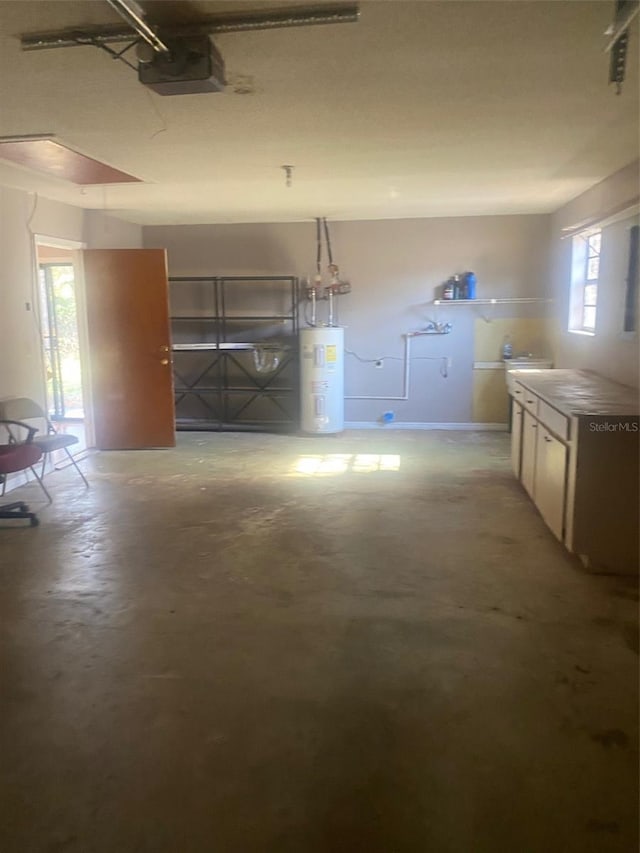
(322, 379)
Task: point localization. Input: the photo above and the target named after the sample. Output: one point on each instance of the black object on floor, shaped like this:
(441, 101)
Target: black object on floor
(19, 510)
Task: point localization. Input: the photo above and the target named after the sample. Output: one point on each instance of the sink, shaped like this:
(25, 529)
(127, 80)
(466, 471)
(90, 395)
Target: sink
(528, 362)
(523, 362)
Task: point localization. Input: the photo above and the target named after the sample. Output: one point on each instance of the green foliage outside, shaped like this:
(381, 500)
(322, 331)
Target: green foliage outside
(64, 303)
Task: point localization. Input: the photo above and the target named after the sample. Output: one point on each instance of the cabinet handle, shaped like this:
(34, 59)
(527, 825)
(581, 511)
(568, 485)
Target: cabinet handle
(546, 438)
(530, 401)
(534, 426)
(517, 392)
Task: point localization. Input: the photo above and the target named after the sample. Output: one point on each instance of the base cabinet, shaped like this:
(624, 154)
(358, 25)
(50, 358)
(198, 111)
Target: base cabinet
(575, 447)
(516, 438)
(529, 445)
(551, 480)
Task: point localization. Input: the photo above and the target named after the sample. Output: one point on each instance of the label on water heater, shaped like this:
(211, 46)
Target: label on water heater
(332, 354)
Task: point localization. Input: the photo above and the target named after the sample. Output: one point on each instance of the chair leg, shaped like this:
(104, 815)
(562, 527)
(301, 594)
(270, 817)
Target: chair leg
(75, 465)
(42, 485)
(4, 483)
(44, 463)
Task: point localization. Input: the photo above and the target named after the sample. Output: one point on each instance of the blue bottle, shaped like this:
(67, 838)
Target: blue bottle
(470, 281)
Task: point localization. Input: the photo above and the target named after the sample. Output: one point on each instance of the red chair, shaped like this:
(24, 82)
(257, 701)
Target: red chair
(14, 458)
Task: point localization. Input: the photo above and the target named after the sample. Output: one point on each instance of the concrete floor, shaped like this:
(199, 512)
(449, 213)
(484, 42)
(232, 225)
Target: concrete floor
(209, 653)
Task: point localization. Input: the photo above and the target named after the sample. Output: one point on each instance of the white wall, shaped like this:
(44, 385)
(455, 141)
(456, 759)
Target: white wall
(395, 267)
(102, 231)
(22, 215)
(611, 351)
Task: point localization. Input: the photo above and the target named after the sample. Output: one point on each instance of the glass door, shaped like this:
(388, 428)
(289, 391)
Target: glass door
(59, 324)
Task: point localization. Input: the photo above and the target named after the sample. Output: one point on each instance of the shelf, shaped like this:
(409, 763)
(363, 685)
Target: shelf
(240, 346)
(215, 425)
(498, 300)
(213, 318)
(235, 389)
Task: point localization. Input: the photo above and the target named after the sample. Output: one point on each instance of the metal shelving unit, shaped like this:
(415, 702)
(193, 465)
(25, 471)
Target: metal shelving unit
(235, 346)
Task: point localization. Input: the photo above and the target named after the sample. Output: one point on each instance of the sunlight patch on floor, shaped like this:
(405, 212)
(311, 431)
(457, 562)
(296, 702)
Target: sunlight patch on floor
(340, 463)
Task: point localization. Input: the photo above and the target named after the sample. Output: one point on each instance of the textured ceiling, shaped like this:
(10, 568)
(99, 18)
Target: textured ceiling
(420, 109)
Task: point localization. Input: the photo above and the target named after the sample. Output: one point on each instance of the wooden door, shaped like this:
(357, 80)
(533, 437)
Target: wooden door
(528, 464)
(131, 382)
(516, 437)
(550, 477)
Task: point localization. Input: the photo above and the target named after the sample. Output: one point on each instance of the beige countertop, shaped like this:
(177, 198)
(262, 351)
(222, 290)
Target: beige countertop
(580, 392)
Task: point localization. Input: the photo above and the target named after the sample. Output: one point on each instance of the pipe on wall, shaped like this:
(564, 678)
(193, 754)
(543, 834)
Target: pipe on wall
(406, 378)
(446, 363)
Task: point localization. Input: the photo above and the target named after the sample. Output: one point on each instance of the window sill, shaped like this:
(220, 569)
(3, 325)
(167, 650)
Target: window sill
(581, 332)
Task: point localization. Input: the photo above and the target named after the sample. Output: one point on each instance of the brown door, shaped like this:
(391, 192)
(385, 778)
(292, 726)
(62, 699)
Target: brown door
(129, 348)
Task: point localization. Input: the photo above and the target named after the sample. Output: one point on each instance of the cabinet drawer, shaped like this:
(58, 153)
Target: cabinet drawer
(553, 420)
(529, 401)
(517, 391)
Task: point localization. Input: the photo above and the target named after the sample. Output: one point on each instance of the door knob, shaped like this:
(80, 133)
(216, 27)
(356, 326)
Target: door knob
(164, 349)
(164, 361)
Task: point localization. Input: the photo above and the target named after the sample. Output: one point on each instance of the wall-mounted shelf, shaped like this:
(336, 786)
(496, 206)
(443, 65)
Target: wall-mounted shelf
(498, 300)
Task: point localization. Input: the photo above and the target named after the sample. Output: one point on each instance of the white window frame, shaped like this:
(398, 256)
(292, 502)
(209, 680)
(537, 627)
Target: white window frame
(585, 276)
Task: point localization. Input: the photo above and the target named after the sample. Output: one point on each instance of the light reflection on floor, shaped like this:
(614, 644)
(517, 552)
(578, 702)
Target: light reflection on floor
(340, 463)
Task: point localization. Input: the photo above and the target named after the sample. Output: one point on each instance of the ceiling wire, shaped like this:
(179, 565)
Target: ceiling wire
(156, 109)
(119, 55)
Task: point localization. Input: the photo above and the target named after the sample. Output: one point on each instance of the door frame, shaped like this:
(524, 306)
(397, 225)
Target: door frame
(81, 311)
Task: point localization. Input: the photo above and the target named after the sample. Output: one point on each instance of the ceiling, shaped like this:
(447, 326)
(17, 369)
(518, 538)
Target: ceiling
(420, 109)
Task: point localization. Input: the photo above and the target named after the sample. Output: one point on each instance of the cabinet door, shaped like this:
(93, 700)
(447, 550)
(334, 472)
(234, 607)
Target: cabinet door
(528, 454)
(550, 480)
(516, 437)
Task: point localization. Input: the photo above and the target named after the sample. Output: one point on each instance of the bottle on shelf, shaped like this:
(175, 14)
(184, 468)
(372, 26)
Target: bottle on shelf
(470, 285)
(447, 290)
(507, 348)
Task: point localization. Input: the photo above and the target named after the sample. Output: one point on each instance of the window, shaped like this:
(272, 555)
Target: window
(633, 282)
(584, 282)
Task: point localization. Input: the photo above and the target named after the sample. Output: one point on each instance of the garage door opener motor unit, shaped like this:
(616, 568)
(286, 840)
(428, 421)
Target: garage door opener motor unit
(191, 66)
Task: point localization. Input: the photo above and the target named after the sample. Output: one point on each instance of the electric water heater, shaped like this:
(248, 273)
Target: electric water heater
(322, 379)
